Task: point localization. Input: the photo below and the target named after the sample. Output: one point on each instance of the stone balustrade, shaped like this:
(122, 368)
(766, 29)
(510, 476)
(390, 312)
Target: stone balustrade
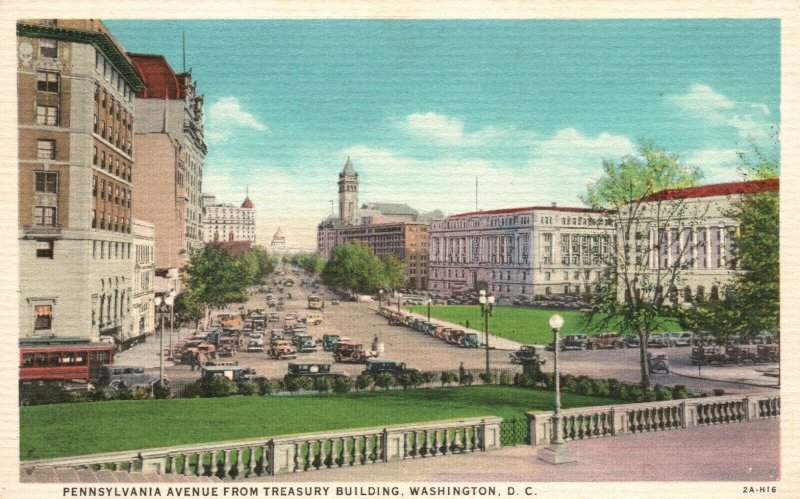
(611, 420)
(298, 453)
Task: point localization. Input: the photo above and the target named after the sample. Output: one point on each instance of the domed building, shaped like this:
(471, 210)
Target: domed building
(224, 222)
(278, 244)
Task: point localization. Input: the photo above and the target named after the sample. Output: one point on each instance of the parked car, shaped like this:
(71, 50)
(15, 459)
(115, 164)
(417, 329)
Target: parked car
(112, 376)
(605, 340)
(659, 340)
(525, 353)
(315, 319)
(684, 339)
(304, 343)
(571, 342)
(308, 369)
(255, 345)
(348, 351)
(281, 349)
(329, 341)
(334, 302)
(274, 317)
(632, 341)
(377, 366)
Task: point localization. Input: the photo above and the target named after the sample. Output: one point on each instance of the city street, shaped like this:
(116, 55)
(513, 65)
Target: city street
(359, 321)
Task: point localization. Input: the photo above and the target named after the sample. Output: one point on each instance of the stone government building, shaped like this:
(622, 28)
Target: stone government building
(519, 252)
(388, 228)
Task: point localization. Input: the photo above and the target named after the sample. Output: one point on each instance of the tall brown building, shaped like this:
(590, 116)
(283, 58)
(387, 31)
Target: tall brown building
(170, 140)
(76, 166)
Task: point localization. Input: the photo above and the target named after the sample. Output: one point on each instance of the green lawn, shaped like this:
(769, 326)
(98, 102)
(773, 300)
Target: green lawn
(524, 325)
(93, 427)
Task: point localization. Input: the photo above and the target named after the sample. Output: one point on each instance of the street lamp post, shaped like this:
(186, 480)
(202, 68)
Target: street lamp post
(159, 302)
(428, 302)
(557, 452)
(380, 299)
(487, 304)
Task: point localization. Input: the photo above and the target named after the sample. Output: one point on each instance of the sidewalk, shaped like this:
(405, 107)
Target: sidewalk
(733, 452)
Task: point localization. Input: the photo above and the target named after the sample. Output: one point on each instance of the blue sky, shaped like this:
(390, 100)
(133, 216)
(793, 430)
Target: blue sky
(531, 108)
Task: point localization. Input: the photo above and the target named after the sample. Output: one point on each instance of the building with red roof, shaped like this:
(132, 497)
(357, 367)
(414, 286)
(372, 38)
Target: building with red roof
(169, 138)
(227, 222)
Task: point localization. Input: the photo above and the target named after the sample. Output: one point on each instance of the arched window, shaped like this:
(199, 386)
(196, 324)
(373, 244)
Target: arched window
(714, 293)
(687, 294)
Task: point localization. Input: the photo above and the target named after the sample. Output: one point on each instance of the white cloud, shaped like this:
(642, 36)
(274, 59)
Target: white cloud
(225, 116)
(449, 130)
(703, 102)
(717, 165)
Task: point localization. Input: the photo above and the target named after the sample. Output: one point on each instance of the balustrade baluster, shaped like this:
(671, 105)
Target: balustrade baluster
(265, 464)
(457, 446)
(186, 465)
(435, 445)
(298, 457)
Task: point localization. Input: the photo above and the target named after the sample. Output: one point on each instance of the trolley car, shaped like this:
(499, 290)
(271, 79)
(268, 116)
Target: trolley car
(62, 359)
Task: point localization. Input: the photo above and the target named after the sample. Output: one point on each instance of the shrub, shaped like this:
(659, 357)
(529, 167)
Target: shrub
(385, 380)
(650, 394)
(270, 387)
(248, 388)
(141, 393)
(663, 393)
(322, 384)
(218, 386)
(635, 393)
(193, 390)
(505, 378)
(569, 383)
(405, 381)
(429, 376)
(487, 378)
(364, 381)
(121, 392)
(162, 391)
(719, 392)
(549, 380)
(679, 392)
(448, 378)
(44, 393)
(601, 388)
(416, 378)
(621, 392)
(585, 386)
(342, 384)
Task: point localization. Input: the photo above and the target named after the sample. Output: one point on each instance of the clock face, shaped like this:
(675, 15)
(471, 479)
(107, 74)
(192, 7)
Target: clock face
(25, 52)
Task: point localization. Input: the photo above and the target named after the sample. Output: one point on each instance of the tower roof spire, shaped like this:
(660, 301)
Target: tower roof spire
(348, 168)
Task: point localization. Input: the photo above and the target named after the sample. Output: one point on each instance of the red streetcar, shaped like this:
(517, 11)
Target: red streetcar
(62, 359)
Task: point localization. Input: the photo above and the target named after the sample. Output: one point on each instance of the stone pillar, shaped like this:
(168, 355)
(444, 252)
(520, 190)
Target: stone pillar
(393, 445)
(490, 434)
(282, 457)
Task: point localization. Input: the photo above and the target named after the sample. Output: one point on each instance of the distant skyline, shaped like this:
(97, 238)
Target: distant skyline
(531, 108)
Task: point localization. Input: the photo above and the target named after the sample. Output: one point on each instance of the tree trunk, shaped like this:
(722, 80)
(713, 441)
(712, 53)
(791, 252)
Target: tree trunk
(644, 363)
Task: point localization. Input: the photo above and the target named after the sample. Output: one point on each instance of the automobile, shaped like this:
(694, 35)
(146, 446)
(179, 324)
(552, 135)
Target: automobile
(684, 339)
(279, 307)
(334, 302)
(377, 366)
(631, 341)
(307, 369)
(281, 349)
(274, 317)
(525, 353)
(304, 343)
(605, 340)
(469, 340)
(315, 319)
(348, 351)
(235, 373)
(454, 336)
(659, 340)
(112, 376)
(658, 363)
(329, 341)
(704, 355)
(255, 345)
(570, 342)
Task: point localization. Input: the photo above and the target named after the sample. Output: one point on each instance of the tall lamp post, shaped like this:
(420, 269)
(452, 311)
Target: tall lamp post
(428, 302)
(487, 304)
(557, 452)
(161, 302)
(380, 299)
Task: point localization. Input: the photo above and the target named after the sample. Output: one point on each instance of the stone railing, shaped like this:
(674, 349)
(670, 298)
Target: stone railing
(293, 454)
(604, 421)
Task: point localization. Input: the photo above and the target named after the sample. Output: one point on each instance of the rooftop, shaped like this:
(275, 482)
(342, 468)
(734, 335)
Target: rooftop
(161, 82)
(704, 191)
(510, 211)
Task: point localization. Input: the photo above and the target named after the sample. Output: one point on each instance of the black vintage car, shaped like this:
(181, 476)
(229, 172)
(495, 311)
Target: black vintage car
(308, 369)
(377, 366)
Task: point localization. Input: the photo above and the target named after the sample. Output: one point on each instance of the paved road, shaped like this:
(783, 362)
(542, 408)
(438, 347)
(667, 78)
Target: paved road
(747, 452)
(359, 321)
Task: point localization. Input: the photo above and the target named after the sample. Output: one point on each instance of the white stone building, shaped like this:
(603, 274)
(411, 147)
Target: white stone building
(691, 230)
(278, 244)
(519, 252)
(226, 222)
(143, 306)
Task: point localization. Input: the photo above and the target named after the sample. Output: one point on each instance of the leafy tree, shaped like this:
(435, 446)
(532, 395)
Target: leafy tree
(310, 262)
(188, 308)
(216, 278)
(354, 267)
(258, 264)
(394, 273)
(638, 289)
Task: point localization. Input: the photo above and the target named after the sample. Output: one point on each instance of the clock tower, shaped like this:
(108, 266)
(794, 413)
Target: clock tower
(348, 193)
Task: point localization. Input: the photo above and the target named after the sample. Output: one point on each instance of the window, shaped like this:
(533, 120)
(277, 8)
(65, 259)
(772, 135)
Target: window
(46, 149)
(42, 317)
(47, 182)
(47, 81)
(94, 186)
(103, 189)
(48, 48)
(47, 115)
(44, 215)
(44, 249)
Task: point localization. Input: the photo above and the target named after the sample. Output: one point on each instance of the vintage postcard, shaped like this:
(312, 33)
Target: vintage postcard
(337, 250)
